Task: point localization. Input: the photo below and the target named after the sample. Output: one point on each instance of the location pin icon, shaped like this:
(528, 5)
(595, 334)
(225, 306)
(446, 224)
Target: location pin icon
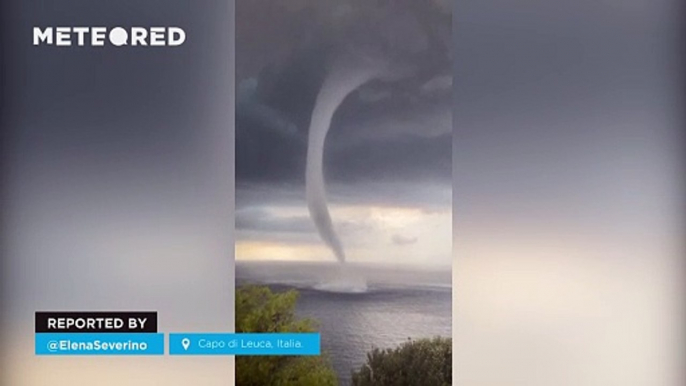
(186, 343)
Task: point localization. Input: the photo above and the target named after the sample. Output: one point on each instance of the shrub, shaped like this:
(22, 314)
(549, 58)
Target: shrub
(424, 362)
(258, 309)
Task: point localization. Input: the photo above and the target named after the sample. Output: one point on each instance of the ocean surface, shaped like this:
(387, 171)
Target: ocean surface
(366, 306)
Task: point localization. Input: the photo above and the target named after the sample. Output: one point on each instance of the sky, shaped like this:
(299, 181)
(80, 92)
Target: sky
(388, 156)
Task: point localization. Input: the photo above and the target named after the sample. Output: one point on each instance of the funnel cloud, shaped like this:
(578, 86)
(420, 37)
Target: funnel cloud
(338, 84)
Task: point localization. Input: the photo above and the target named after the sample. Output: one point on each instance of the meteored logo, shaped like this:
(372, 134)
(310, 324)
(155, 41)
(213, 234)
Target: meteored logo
(101, 36)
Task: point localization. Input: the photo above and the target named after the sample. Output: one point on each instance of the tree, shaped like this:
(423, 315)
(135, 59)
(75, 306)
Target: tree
(424, 362)
(258, 309)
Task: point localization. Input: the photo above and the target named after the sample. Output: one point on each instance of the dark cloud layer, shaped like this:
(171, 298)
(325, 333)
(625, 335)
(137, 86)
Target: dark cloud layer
(257, 219)
(394, 128)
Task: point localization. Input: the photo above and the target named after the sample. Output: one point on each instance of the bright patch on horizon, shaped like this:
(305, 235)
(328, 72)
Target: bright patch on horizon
(369, 234)
(268, 250)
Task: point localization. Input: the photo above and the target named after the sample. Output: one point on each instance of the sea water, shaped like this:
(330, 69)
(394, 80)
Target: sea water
(392, 306)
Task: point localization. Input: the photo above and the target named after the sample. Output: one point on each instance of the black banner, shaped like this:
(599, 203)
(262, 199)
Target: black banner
(85, 322)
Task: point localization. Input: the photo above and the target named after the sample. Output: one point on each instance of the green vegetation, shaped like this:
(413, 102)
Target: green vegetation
(258, 309)
(425, 362)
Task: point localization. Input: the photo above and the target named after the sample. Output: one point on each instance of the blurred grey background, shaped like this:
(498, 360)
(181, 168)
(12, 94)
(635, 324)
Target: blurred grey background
(568, 191)
(117, 184)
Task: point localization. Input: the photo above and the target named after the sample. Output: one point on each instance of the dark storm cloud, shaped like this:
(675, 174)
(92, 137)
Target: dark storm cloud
(391, 129)
(259, 223)
(259, 219)
(403, 157)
